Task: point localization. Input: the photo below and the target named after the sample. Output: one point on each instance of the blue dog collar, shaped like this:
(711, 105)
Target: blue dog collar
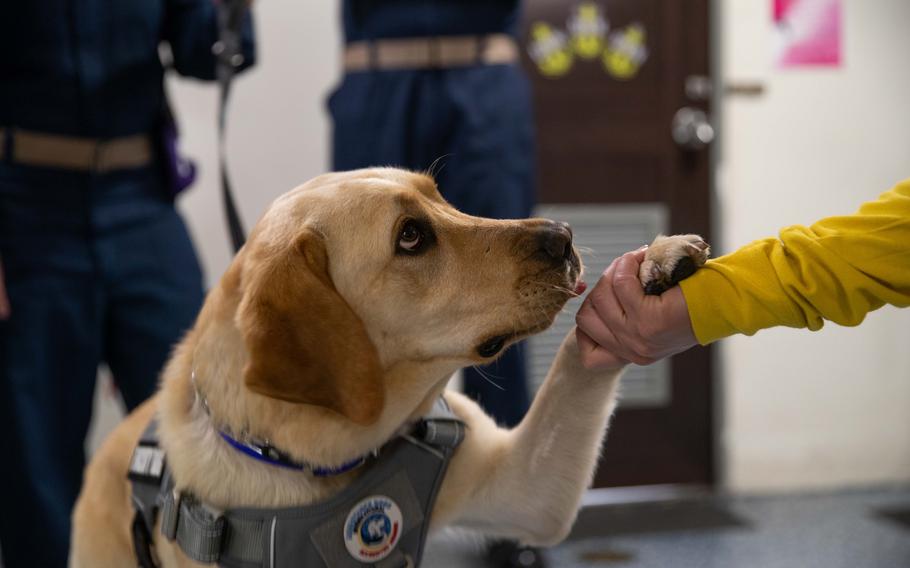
(265, 452)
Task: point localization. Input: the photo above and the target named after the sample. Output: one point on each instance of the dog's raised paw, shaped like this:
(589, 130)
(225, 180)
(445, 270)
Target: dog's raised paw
(671, 259)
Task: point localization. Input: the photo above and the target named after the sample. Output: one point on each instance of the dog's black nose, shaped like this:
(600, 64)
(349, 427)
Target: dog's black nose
(555, 241)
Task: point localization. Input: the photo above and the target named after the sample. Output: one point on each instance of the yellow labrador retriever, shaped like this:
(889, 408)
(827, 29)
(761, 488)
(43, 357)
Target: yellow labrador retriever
(337, 326)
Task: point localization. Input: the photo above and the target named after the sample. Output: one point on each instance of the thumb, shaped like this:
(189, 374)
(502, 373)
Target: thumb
(626, 284)
(593, 356)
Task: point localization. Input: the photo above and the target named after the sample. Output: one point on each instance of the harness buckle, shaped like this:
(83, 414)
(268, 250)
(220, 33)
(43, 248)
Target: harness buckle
(441, 432)
(147, 464)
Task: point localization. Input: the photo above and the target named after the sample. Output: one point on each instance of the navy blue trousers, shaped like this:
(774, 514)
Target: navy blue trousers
(97, 269)
(478, 122)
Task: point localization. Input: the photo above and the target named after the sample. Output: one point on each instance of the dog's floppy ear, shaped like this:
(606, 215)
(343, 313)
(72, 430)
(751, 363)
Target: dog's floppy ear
(305, 343)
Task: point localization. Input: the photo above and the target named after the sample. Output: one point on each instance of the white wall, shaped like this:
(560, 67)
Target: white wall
(825, 409)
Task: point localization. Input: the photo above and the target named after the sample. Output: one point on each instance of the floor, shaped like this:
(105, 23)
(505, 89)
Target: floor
(858, 529)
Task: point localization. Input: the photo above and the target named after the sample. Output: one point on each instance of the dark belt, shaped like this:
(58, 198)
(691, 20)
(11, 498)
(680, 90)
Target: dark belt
(77, 153)
(430, 52)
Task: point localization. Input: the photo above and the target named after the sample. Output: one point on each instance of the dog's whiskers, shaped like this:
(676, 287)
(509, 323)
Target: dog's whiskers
(432, 171)
(486, 377)
(554, 287)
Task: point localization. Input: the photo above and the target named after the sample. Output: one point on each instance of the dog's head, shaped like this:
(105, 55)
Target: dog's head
(355, 272)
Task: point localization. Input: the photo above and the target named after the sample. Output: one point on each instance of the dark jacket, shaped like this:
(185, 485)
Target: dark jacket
(91, 67)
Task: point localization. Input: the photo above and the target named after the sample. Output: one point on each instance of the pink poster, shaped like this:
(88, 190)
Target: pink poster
(807, 32)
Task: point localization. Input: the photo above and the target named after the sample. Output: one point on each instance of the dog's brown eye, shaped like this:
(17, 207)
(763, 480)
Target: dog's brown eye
(411, 237)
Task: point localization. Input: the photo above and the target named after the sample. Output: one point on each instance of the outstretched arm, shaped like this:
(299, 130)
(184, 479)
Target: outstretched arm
(527, 483)
(838, 269)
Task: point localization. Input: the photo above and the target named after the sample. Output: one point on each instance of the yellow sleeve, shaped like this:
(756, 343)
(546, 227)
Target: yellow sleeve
(839, 269)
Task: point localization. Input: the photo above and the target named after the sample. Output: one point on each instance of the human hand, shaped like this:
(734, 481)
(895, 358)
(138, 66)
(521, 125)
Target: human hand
(4, 300)
(618, 324)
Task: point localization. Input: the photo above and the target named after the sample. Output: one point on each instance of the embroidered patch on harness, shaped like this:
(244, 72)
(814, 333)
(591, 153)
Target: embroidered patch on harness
(372, 528)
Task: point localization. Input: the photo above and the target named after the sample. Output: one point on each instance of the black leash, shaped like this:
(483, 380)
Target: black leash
(229, 56)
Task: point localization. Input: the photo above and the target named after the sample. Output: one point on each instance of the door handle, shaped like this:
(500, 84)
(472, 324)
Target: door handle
(691, 129)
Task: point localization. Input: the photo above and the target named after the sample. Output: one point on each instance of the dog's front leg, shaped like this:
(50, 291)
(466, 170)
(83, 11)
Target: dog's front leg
(527, 483)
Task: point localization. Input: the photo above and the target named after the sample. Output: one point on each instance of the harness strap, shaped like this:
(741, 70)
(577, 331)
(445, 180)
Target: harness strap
(206, 536)
(142, 542)
(397, 559)
(194, 526)
(245, 538)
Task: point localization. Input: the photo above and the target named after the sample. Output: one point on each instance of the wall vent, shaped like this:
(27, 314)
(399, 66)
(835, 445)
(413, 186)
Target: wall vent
(602, 233)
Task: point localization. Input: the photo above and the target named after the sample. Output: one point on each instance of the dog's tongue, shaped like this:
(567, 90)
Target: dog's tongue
(580, 287)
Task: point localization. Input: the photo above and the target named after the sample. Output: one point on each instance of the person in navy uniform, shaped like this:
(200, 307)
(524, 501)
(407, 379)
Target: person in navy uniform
(97, 263)
(439, 79)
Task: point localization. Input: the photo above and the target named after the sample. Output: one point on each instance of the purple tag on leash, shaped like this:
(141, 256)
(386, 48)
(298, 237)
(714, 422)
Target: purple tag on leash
(180, 171)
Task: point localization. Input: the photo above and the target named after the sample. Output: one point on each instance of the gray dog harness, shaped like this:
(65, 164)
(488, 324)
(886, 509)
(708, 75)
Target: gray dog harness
(379, 520)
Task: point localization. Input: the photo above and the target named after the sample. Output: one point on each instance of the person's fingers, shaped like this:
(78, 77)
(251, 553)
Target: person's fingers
(592, 323)
(602, 298)
(608, 325)
(4, 299)
(626, 285)
(610, 335)
(600, 311)
(586, 345)
(593, 356)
